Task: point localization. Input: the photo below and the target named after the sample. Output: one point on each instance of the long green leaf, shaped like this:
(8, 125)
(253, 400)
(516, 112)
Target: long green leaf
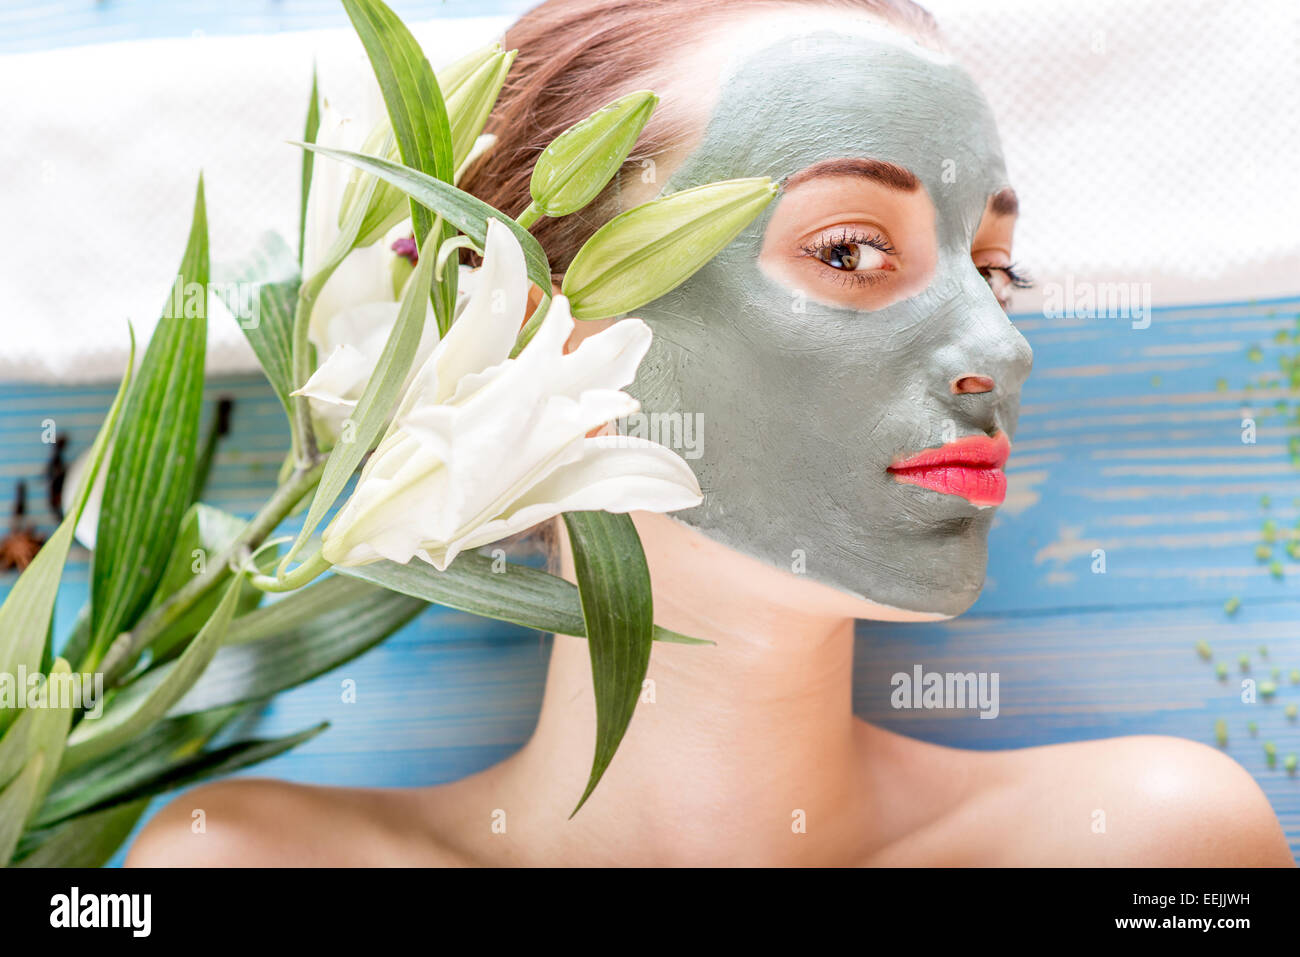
(378, 399)
(42, 726)
(18, 743)
(191, 770)
(516, 593)
(50, 735)
(77, 642)
(132, 765)
(418, 114)
(208, 531)
(270, 267)
(310, 129)
(152, 469)
(86, 841)
(316, 634)
(319, 601)
(27, 611)
(467, 213)
(15, 803)
(614, 582)
(130, 714)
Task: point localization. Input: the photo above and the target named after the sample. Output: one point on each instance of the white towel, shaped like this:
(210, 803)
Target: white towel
(1150, 141)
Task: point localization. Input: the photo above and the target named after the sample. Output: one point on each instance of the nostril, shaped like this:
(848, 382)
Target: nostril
(972, 385)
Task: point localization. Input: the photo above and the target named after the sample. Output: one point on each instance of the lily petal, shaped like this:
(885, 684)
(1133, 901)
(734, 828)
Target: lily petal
(486, 330)
(637, 475)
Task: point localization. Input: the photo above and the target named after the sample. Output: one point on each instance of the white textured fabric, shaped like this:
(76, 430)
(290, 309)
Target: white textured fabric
(1151, 141)
(123, 153)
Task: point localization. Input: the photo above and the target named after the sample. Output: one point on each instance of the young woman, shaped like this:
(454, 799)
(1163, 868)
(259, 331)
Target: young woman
(858, 380)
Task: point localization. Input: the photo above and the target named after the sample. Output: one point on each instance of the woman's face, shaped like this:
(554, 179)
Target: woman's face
(854, 325)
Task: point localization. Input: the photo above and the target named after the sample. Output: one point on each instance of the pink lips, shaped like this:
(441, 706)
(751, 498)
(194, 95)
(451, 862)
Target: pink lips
(971, 467)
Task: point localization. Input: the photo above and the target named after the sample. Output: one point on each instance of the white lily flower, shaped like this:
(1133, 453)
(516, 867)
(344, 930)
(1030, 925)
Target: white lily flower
(365, 276)
(356, 308)
(484, 446)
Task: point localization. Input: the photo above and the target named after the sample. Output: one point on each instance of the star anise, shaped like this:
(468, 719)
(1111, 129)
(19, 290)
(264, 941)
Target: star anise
(19, 547)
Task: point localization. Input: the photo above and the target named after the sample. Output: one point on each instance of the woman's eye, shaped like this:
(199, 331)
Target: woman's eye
(852, 252)
(851, 257)
(1003, 279)
(999, 282)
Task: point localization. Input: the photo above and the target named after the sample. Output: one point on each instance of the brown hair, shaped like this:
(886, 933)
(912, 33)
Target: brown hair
(577, 55)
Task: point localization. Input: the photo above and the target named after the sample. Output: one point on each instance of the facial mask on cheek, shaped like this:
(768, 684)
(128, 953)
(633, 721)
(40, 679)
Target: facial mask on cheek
(804, 406)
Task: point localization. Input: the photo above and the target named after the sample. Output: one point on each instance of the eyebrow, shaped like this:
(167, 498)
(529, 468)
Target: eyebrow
(1004, 202)
(886, 174)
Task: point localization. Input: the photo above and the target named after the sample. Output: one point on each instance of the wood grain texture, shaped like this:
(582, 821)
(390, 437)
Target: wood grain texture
(1153, 471)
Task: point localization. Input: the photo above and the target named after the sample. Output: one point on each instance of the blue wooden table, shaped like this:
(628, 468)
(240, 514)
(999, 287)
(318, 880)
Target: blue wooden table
(1129, 444)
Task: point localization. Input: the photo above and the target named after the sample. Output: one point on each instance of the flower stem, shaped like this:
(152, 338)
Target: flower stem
(304, 437)
(130, 643)
(531, 326)
(304, 574)
(529, 216)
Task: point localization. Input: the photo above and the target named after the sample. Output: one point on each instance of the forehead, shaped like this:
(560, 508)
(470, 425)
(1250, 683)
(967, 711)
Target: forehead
(796, 92)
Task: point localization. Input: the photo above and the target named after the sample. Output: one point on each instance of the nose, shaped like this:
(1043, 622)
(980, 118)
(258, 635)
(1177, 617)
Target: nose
(985, 359)
(973, 385)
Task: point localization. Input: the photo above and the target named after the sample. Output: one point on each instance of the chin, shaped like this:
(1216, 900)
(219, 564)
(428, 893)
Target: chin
(945, 581)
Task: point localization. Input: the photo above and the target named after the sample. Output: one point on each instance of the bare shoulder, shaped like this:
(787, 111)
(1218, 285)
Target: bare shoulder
(254, 822)
(1135, 801)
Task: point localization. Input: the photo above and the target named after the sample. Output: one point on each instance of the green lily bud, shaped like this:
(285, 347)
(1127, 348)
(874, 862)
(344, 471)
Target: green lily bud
(652, 249)
(454, 74)
(470, 102)
(573, 170)
(470, 88)
(386, 205)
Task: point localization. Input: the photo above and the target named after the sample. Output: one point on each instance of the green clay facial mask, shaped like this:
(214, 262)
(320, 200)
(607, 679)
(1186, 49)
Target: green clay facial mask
(805, 405)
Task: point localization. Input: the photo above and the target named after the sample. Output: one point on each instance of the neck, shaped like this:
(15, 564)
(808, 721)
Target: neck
(728, 744)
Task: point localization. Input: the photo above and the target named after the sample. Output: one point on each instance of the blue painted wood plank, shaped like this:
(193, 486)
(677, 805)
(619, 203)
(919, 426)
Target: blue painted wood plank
(1152, 471)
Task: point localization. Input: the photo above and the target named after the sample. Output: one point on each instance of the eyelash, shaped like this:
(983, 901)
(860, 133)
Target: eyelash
(1019, 279)
(846, 238)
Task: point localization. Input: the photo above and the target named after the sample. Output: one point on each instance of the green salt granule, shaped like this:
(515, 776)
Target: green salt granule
(1263, 552)
(1252, 727)
(1267, 689)
(1221, 732)
(1231, 605)
(1270, 753)
(1275, 569)
(1254, 353)
(1291, 711)
(1295, 676)
(1203, 649)
(1244, 660)
(1289, 763)
(1221, 670)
